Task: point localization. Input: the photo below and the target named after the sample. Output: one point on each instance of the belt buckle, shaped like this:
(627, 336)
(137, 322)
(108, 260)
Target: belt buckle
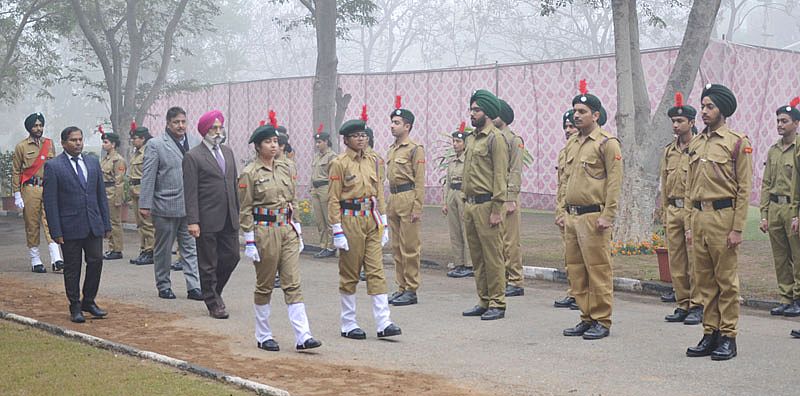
(782, 199)
(679, 203)
(471, 200)
(572, 209)
(706, 205)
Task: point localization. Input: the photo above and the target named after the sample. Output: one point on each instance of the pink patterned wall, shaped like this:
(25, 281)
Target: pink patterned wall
(762, 79)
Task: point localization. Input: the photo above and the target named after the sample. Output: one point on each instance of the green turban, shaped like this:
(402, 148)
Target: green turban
(506, 112)
(487, 102)
(569, 115)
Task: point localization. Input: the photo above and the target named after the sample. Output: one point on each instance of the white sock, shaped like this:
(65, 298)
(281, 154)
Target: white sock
(263, 331)
(55, 252)
(348, 316)
(35, 259)
(299, 320)
(380, 310)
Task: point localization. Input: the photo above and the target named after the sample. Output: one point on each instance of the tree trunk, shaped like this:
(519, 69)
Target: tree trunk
(325, 79)
(342, 101)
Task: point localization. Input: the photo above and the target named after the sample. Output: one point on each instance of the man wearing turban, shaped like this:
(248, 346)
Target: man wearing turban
(718, 190)
(568, 125)
(27, 176)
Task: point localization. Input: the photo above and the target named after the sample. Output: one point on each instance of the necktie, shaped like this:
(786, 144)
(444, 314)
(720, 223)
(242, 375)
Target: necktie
(220, 160)
(78, 169)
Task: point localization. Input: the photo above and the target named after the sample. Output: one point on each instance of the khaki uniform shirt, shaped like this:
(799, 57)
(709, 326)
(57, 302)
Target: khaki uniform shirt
(594, 171)
(135, 170)
(113, 167)
(320, 165)
(455, 174)
(515, 153)
(778, 173)
(486, 166)
(674, 168)
(713, 173)
(25, 154)
(406, 164)
(353, 175)
(561, 180)
(261, 186)
(291, 164)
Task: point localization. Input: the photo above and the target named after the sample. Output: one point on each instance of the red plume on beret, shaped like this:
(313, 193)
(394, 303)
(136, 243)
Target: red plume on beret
(262, 123)
(133, 125)
(102, 132)
(272, 119)
(582, 87)
(398, 102)
(678, 99)
(320, 127)
(795, 101)
(364, 116)
(462, 127)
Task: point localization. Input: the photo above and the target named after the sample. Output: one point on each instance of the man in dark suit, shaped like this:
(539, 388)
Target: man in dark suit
(212, 209)
(77, 211)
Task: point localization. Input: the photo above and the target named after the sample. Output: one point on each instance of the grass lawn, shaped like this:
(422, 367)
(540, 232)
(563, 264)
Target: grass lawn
(38, 363)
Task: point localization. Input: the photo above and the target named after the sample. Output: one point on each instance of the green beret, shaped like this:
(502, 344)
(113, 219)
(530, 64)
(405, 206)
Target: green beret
(403, 113)
(792, 111)
(722, 97)
(31, 120)
(283, 139)
(506, 112)
(569, 115)
(141, 132)
(460, 135)
(111, 137)
(282, 129)
(683, 111)
(352, 126)
(261, 133)
(487, 102)
(322, 136)
(603, 116)
(589, 100)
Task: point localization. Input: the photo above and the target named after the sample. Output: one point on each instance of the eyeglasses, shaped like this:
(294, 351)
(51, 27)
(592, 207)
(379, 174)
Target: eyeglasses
(475, 109)
(359, 135)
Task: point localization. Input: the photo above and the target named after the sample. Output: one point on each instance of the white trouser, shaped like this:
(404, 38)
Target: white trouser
(348, 317)
(299, 320)
(263, 331)
(35, 258)
(55, 252)
(380, 310)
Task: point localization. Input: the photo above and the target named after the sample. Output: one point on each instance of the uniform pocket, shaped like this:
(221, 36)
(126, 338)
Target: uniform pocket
(719, 165)
(593, 167)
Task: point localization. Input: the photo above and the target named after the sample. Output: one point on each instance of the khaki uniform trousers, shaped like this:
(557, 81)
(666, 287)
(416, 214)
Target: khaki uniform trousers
(279, 251)
(319, 203)
(785, 251)
(588, 255)
(364, 242)
(144, 225)
(115, 243)
(511, 248)
(715, 270)
(455, 223)
(486, 249)
(564, 246)
(33, 214)
(404, 239)
(680, 263)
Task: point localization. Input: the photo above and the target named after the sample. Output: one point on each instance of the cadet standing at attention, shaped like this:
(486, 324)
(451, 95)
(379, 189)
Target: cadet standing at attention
(113, 166)
(454, 206)
(511, 248)
(718, 186)
(319, 190)
(405, 169)
(777, 211)
(674, 167)
(594, 181)
(359, 229)
(139, 138)
(27, 177)
(485, 191)
(568, 125)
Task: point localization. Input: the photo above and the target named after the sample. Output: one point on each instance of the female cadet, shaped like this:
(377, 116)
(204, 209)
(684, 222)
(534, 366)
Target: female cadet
(266, 192)
(113, 166)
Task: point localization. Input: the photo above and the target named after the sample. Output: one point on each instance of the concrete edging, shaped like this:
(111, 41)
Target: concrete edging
(258, 388)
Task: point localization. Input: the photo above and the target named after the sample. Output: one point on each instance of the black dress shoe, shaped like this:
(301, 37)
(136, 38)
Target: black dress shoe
(177, 266)
(112, 256)
(218, 312)
(394, 296)
(94, 310)
(695, 316)
(277, 283)
(461, 272)
(574, 306)
(578, 330)
(355, 334)
(147, 259)
(793, 310)
(474, 311)
(679, 315)
(195, 294)
(58, 266)
(407, 298)
(310, 343)
(39, 269)
(795, 333)
(726, 349)
(706, 345)
(493, 314)
(668, 297)
(137, 259)
(778, 311)
(166, 293)
(564, 302)
(362, 276)
(269, 345)
(596, 332)
(390, 331)
(324, 253)
(514, 291)
(75, 314)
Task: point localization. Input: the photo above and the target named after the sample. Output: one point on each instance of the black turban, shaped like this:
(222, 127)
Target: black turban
(506, 112)
(31, 119)
(487, 102)
(722, 97)
(569, 115)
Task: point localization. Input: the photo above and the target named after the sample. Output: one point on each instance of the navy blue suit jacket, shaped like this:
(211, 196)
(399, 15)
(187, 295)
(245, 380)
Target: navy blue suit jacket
(74, 212)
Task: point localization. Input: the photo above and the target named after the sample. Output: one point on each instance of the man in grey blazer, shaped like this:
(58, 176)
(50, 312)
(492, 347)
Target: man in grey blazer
(162, 197)
(212, 209)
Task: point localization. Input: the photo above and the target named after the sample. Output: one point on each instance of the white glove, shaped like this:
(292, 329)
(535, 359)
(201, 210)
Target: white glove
(18, 200)
(339, 240)
(299, 230)
(250, 249)
(385, 237)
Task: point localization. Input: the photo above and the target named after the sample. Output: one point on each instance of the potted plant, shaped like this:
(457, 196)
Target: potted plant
(663, 256)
